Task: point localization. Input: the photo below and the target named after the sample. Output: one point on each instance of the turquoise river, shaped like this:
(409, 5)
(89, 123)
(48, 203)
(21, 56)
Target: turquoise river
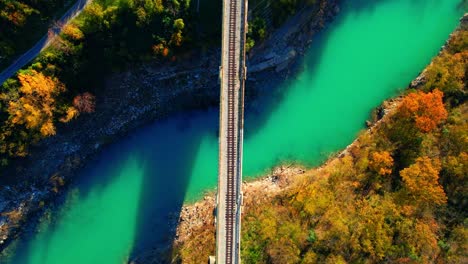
(120, 204)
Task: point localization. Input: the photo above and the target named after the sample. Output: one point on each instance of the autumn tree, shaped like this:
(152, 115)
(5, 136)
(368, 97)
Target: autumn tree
(145, 10)
(418, 114)
(458, 42)
(458, 245)
(14, 17)
(447, 73)
(373, 233)
(421, 182)
(30, 110)
(93, 18)
(70, 114)
(36, 105)
(177, 38)
(161, 49)
(15, 12)
(84, 103)
(283, 251)
(426, 110)
(72, 32)
(381, 162)
(454, 178)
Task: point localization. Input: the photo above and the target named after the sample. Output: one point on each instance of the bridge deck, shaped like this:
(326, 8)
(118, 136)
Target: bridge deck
(232, 75)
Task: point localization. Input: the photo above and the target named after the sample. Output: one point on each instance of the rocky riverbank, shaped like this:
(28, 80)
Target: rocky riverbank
(134, 98)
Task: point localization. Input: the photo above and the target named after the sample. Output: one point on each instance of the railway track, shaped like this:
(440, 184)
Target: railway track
(231, 194)
(232, 75)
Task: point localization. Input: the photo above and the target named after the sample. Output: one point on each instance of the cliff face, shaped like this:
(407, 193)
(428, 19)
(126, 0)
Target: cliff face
(136, 97)
(397, 194)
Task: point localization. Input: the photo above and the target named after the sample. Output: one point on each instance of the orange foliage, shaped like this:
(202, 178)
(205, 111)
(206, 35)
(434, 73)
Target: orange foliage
(381, 162)
(84, 103)
(160, 49)
(36, 106)
(165, 52)
(421, 181)
(426, 109)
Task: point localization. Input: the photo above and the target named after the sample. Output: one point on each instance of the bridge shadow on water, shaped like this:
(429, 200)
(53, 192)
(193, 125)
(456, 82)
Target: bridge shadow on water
(168, 171)
(159, 158)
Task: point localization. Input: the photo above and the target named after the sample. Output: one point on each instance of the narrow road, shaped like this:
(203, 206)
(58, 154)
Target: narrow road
(44, 42)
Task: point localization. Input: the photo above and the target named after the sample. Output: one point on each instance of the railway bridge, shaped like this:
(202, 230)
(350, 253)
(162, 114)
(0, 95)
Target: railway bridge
(232, 79)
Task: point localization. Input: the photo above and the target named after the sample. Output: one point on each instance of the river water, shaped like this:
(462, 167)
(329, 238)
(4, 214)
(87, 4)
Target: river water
(121, 203)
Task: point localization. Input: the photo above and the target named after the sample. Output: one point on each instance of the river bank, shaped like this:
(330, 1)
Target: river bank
(150, 93)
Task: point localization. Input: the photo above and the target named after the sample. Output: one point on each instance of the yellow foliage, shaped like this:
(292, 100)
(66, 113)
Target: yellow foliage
(284, 250)
(421, 181)
(310, 258)
(177, 39)
(72, 112)
(72, 31)
(381, 162)
(424, 239)
(48, 129)
(335, 259)
(269, 225)
(36, 105)
(16, 12)
(458, 246)
(313, 198)
(458, 166)
(447, 72)
(372, 234)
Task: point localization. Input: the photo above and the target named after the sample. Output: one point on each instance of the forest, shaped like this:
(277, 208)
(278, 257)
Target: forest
(397, 195)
